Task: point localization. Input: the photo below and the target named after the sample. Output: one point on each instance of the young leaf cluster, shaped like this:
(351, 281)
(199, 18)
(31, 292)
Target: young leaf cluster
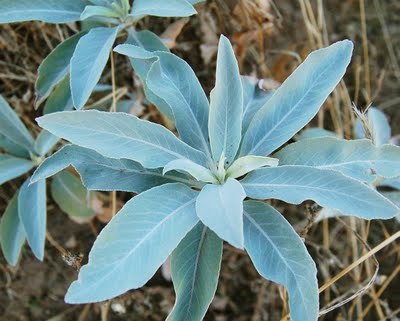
(209, 186)
(25, 215)
(72, 70)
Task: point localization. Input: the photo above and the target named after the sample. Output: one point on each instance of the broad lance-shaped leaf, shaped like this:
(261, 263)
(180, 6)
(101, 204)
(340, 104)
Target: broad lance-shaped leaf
(70, 195)
(226, 106)
(253, 99)
(279, 255)
(220, 207)
(55, 67)
(12, 235)
(13, 128)
(102, 173)
(295, 184)
(297, 100)
(359, 159)
(173, 82)
(246, 164)
(199, 172)
(195, 266)
(60, 11)
(12, 167)
(119, 135)
(135, 243)
(87, 63)
(162, 8)
(59, 100)
(391, 182)
(32, 213)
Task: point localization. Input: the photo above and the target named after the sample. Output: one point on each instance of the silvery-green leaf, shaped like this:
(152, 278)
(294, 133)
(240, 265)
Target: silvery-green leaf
(199, 172)
(121, 136)
(246, 164)
(220, 207)
(162, 8)
(55, 67)
(87, 63)
(13, 128)
(395, 198)
(195, 266)
(60, 11)
(279, 255)
(226, 105)
(135, 243)
(359, 159)
(102, 173)
(12, 167)
(175, 90)
(297, 100)
(32, 214)
(11, 148)
(12, 235)
(59, 100)
(314, 132)
(91, 11)
(295, 184)
(379, 125)
(70, 195)
(253, 99)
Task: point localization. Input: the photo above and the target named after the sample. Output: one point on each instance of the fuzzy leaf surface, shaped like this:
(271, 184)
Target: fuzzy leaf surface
(102, 173)
(359, 159)
(295, 184)
(121, 136)
(297, 100)
(135, 243)
(88, 61)
(195, 266)
(12, 235)
(220, 207)
(53, 11)
(279, 255)
(32, 214)
(12, 167)
(226, 105)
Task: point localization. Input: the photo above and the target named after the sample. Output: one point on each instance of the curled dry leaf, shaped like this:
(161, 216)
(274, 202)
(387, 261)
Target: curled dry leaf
(170, 34)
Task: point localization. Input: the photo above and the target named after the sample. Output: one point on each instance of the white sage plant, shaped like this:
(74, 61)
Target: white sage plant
(210, 185)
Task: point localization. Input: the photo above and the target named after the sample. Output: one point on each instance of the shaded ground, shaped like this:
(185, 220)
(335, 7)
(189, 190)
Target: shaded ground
(35, 290)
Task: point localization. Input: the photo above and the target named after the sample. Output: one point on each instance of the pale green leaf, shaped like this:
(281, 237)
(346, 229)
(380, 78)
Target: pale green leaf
(32, 213)
(59, 11)
(220, 207)
(279, 255)
(297, 100)
(12, 235)
(121, 136)
(92, 11)
(104, 174)
(55, 67)
(174, 88)
(314, 132)
(226, 106)
(195, 266)
(359, 159)
(70, 195)
(135, 243)
(87, 63)
(295, 184)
